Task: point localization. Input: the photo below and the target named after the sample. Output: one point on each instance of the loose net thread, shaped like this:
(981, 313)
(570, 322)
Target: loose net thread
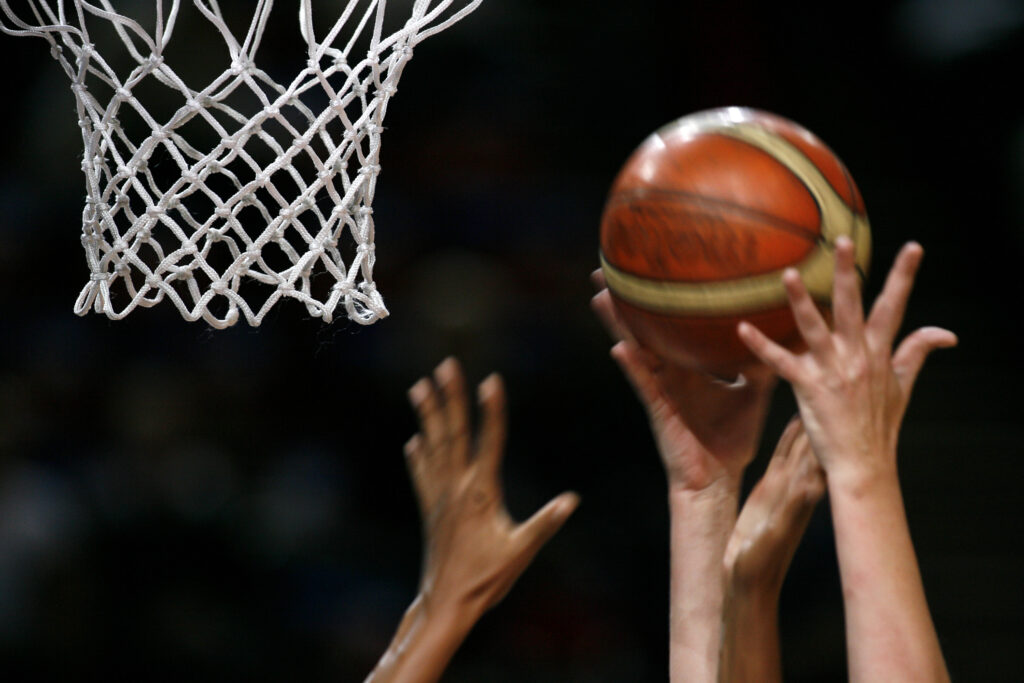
(304, 178)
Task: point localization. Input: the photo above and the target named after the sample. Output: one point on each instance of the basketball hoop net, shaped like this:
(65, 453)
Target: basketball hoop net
(243, 190)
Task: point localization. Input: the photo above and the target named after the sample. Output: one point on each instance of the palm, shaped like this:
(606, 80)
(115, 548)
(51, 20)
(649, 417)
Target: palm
(851, 387)
(471, 543)
(474, 550)
(704, 428)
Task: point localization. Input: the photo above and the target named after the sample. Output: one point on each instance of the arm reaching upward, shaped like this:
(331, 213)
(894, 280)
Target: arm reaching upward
(761, 547)
(706, 433)
(853, 390)
(474, 551)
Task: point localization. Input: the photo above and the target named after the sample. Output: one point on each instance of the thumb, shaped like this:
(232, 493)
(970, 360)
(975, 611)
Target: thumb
(640, 374)
(912, 352)
(545, 523)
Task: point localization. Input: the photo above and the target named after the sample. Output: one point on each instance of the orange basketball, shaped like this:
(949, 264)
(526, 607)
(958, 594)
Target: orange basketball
(701, 222)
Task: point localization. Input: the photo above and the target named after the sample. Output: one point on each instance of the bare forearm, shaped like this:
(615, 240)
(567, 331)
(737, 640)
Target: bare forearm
(889, 630)
(750, 637)
(700, 526)
(423, 645)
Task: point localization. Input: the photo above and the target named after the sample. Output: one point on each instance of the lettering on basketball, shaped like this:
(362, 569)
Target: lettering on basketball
(670, 236)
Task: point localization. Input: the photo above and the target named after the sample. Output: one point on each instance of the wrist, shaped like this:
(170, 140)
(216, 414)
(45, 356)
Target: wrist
(723, 488)
(427, 638)
(759, 592)
(448, 615)
(861, 477)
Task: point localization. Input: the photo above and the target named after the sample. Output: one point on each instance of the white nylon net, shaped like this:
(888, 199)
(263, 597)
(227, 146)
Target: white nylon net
(227, 196)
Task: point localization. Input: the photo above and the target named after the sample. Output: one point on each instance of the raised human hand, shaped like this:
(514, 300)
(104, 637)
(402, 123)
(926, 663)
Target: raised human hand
(775, 515)
(851, 387)
(474, 550)
(706, 429)
(757, 557)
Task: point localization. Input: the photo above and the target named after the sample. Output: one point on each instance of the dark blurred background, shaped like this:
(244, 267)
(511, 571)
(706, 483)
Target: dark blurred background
(176, 500)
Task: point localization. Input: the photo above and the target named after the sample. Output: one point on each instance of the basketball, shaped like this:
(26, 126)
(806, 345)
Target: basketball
(702, 220)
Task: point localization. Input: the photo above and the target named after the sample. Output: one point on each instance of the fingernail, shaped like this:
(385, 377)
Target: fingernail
(446, 370)
(487, 387)
(569, 504)
(418, 391)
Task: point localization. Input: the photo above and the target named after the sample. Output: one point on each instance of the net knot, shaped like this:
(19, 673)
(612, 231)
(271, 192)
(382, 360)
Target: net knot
(240, 66)
(99, 277)
(87, 51)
